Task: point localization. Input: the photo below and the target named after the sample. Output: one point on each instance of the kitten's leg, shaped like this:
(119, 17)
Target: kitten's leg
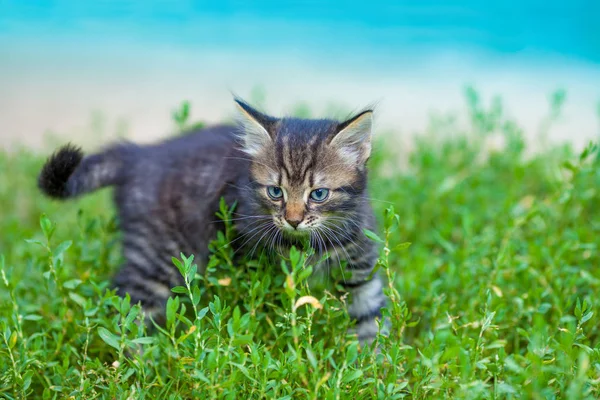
(148, 273)
(145, 288)
(367, 297)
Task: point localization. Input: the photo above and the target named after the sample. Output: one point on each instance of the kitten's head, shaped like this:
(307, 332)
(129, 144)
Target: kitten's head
(308, 174)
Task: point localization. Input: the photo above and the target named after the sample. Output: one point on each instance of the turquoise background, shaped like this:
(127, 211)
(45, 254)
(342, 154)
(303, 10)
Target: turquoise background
(331, 29)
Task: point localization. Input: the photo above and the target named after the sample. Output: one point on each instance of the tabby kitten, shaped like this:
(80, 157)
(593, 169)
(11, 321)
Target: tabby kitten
(293, 179)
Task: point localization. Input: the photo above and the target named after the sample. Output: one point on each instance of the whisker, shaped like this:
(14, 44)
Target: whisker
(366, 197)
(328, 259)
(257, 231)
(279, 242)
(314, 242)
(248, 240)
(337, 254)
(347, 218)
(272, 246)
(340, 232)
(335, 228)
(322, 246)
(337, 240)
(263, 235)
(322, 250)
(344, 224)
(276, 239)
(242, 218)
(264, 224)
(343, 219)
(247, 215)
(379, 200)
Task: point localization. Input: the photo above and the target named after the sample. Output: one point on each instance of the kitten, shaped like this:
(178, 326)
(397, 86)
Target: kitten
(293, 179)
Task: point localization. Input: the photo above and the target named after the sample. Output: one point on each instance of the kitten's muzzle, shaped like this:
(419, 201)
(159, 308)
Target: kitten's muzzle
(294, 222)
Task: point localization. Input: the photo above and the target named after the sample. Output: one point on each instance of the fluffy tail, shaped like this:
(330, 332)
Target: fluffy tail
(67, 173)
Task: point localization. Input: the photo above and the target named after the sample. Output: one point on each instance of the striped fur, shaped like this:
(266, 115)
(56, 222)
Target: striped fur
(167, 194)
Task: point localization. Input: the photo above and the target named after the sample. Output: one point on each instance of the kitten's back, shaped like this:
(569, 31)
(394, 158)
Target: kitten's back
(68, 173)
(197, 168)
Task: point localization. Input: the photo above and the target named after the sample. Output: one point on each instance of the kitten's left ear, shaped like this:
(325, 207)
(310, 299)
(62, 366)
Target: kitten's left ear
(353, 139)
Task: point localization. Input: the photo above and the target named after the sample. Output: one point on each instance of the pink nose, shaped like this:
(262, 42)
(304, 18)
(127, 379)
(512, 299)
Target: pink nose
(294, 222)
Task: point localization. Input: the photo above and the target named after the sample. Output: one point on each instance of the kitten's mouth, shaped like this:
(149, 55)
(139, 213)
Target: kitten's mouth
(302, 232)
(286, 228)
(296, 233)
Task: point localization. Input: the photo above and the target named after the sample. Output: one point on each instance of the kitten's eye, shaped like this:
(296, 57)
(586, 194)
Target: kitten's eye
(319, 195)
(275, 192)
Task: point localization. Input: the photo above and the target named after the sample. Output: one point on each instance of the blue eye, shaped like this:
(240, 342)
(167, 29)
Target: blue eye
(275, 192)
(319, 195)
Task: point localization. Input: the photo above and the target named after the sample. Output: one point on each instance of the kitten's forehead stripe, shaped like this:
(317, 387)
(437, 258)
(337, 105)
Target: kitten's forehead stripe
(298, 143)
(311, 160)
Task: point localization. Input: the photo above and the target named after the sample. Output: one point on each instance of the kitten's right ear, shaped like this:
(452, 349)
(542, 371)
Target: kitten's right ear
(353, 141)
(255, 127)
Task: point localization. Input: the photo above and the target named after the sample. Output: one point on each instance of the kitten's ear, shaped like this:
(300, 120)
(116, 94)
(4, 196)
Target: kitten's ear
(255, 127)
(353, 139)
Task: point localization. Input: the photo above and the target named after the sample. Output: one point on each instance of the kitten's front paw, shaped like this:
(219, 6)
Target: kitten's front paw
(367, 330)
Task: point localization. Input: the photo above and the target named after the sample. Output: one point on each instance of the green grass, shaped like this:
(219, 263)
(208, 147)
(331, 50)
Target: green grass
(494, 299)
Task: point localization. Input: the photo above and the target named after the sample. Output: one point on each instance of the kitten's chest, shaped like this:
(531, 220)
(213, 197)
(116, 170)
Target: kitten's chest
(337, 257)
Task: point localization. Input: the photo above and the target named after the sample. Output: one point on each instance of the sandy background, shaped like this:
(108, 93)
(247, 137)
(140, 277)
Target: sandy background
(94, 92)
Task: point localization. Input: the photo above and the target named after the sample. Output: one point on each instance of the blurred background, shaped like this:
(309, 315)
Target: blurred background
(78, 68)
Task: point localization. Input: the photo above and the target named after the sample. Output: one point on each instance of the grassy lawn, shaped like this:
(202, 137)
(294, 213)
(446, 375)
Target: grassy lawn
(493, 299)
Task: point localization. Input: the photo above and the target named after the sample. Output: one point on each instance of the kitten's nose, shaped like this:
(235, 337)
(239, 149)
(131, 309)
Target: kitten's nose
(294, 222)
(294, 213)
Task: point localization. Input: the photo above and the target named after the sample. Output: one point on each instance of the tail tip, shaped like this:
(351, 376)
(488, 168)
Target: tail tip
(57, 170)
